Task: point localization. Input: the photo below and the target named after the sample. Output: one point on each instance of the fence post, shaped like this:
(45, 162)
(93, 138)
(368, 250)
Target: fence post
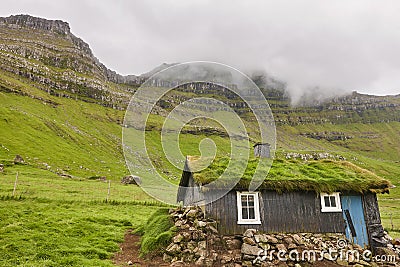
(108, 191)
(391, 220)
(15, 185)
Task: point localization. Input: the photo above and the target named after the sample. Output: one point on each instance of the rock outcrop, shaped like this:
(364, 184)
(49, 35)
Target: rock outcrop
(313, 156)
(18, 160)
(131, 179)
(17, 21)
(48, 54)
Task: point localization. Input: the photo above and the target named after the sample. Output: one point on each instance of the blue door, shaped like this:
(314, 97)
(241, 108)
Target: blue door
(353, 213)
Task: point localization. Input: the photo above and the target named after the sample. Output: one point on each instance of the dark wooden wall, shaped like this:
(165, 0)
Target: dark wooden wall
(193, 194)
(373, 221)
(288, 212)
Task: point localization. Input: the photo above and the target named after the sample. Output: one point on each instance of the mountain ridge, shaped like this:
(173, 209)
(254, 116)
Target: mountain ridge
(28, 47)
(51, 61)
(63, 28)
(56, 61)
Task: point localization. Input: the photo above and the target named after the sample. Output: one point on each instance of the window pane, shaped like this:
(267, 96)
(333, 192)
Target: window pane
(326, 199)
(251, 213)
(244, 201)
(251, 201)
(248, 202)
(245, 214)
(333, 201)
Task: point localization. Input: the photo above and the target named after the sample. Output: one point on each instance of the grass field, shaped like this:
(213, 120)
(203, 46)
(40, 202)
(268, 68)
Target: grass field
(42, 232)
(43, 184)
(55, 221)
(390, 216)
(72, 137)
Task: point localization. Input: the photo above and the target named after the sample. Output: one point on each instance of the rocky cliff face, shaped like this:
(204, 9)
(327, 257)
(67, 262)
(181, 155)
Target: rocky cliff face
(26, 21)
(351, 108)
(47, 53)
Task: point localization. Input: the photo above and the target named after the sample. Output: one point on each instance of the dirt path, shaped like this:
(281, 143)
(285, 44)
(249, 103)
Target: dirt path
(129, 253)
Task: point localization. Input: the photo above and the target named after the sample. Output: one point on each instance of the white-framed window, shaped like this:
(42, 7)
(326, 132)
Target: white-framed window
(248, 208)
(330, 202)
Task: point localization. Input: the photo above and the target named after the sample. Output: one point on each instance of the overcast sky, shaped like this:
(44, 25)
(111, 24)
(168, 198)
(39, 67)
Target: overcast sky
(336, 45)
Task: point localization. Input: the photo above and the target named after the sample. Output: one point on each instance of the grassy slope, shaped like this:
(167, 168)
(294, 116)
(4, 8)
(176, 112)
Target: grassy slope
(156, 233)
(42, 184)
(74, 137)
(62, 233)
(62, 221)
(375, 140)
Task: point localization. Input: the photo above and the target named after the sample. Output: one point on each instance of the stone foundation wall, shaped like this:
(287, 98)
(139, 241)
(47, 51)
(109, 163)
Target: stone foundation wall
(197, 243)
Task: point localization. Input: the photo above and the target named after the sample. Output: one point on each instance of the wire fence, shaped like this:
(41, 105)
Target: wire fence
(21, 185)
(24, 186)
(393, 223)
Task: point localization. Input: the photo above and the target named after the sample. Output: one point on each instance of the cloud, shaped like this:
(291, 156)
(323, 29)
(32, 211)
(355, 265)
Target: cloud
(337, 46)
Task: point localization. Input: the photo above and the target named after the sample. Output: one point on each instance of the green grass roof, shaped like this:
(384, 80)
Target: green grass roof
(298, 175)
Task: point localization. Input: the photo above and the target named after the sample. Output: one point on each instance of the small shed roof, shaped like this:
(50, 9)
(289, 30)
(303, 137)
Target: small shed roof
(295, 175)
(260, 144)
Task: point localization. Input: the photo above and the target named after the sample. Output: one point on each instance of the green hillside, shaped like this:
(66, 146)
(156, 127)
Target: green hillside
(65, 136)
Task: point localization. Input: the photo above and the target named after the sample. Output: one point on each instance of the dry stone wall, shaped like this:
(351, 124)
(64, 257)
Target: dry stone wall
(198, 243)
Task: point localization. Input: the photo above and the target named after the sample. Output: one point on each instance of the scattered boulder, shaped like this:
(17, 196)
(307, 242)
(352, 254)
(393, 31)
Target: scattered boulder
(1, 167)
(131, 179)
(98, 178)
(18, 160)
(102, 179)
(65, 175)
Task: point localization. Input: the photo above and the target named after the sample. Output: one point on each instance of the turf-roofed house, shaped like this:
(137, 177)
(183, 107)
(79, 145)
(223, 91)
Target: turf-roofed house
(316, 196)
